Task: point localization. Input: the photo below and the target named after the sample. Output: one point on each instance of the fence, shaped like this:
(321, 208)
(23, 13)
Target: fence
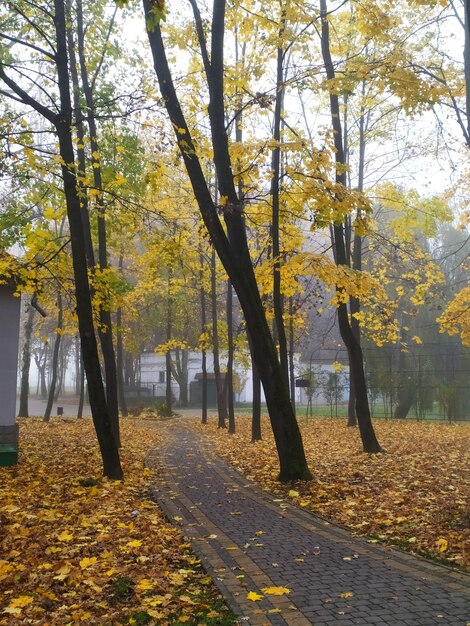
(431, 385)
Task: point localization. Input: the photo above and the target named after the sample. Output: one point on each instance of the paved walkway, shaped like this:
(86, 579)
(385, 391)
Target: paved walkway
(249, 540)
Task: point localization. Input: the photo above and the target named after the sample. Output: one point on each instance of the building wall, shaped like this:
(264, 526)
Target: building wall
(152, 365)
(9, 337)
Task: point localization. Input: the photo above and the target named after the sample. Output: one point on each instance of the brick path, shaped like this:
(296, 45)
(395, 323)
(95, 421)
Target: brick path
(247, 540)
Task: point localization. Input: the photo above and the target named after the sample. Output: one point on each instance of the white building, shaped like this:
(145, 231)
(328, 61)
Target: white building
(153, 377)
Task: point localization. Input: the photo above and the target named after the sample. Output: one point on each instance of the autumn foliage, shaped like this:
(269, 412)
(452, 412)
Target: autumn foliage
(416, 495)
(76, 548)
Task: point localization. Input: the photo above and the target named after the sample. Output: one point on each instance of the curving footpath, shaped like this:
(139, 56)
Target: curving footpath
(248, 540)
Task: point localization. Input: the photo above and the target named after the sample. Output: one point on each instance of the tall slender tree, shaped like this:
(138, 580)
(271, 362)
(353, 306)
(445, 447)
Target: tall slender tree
(232, 245)
(61, 121)
(353, 346)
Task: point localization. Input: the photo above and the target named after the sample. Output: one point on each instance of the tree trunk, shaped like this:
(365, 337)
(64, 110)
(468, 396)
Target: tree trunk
(77, 365)
(63, 123)
(278, 300)
(105, 329)
(202, 294)
(291, 352)
(120, 363)
(232, 248)
(120, 353)
(41, 360)
(406, 392)
(169, 330)
(221, 404)
(81, 400)
(256, 405)
(230, 350)
(356, 256)
(356, 363)
(26, 364)
(55, 360)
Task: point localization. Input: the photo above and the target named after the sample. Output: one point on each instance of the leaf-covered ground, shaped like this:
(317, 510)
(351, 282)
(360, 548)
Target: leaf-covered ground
(75, 548)
(416, 495)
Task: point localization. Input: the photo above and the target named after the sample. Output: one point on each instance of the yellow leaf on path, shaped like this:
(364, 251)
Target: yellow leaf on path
(87, 562)
(346, 594)
(253, 596)
(293, 493)
(136, 543)
(275, 591)
(274, 611)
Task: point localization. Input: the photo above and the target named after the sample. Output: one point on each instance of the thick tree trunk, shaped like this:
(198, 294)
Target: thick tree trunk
(105, 329)
(26, 364)
(101, 419)
(232, 249)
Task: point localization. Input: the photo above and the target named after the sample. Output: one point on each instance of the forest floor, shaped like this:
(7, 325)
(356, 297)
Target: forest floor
(76, 548)
(415, 495)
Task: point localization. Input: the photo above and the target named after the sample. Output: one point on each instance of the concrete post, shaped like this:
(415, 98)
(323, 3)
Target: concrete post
(10, 307)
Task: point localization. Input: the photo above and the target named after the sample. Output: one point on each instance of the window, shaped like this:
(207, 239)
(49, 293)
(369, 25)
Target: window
(161, 377)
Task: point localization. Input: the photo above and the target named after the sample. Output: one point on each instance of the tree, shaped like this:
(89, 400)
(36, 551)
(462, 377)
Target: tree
(23, 410)
(61, 122)
(231, 246)
(356, 363)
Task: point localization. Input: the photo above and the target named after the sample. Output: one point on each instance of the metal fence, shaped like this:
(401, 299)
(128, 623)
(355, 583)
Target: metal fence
(427, 385)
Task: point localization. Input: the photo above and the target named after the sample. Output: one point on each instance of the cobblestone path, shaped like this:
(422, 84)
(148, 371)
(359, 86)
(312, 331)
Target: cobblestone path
(248, 540)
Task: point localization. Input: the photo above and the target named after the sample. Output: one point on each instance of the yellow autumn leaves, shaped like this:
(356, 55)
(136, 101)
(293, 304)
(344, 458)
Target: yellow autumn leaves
(267, 591)
(97, 554)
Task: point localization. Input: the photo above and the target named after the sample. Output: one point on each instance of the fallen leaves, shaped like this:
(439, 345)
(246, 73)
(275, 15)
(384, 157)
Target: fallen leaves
(416, 495)
(81, 549)
(253, 596)
(275, 591)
